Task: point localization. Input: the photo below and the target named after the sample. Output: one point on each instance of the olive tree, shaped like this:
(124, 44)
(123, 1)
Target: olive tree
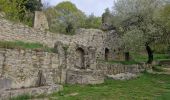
(138, 25)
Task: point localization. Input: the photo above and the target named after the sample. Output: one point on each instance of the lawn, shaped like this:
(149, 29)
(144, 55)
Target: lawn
(146, 87)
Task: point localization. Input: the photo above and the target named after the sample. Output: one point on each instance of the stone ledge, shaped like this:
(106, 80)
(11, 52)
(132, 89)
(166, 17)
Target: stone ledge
(6, 94)
(84, 77)
(164, 62)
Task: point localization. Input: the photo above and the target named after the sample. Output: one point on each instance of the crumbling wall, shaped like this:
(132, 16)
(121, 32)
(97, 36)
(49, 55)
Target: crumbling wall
(40, 21)
(113, 69)
(26, 68)
(11, 31)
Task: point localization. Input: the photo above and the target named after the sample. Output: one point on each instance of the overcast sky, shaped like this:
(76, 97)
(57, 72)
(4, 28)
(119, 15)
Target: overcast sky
(96, 7)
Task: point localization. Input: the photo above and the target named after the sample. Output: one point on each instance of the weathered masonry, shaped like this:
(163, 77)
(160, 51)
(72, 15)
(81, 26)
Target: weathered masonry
(76, 59)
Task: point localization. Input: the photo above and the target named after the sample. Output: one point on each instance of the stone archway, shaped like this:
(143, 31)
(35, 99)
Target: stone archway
(106, 54)
(80, 58)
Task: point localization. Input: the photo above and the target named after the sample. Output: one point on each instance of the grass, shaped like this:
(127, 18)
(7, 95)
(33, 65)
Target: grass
(22, 97)
(146, 87)
(139, 58)
(156, 57)
(24, 45)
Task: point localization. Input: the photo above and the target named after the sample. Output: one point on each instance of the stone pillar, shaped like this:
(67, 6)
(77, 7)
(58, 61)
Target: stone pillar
(40, 21)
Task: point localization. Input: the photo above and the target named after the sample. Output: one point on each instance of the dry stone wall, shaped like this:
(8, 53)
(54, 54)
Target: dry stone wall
(26, 68)
(11, 31)
(113, 69)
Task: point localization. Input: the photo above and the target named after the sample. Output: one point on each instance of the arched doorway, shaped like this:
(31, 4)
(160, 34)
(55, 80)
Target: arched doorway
(106, 54)
(80, 58)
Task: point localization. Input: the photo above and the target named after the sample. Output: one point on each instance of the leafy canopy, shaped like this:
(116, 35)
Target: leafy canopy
(136, 21)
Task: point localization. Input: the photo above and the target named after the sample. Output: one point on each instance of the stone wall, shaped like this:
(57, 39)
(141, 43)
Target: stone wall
(11, 31)
(26, 68)
(102, 71)
(36, 91)
(97, 39)
(84, 77)
(113, 69)
(36, 72)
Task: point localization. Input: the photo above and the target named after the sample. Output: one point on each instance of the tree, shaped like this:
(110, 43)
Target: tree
(33, 5)
(107, 20)
(14, 9)
(65, 18)
(106, 16)
(20, 10)
(163, 18)
(92, 21)
(136, 19)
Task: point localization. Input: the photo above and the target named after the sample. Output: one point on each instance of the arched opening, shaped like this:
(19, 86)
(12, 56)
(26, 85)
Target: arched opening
(106, 54)
(80, 58)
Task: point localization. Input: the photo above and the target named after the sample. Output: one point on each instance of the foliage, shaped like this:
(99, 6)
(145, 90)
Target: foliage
(20, 10)
(65, 18)
(160, 47)
(136, 22)
(163, 18)
(157, 86)
(163, 15)
(33, 5)
(107, 17)
(14, 9)
(92, 21)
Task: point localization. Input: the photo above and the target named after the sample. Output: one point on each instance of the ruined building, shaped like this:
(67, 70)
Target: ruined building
(77, 59)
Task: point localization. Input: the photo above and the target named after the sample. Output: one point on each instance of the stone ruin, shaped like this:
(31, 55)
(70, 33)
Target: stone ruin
(40, 21)
(78, 59)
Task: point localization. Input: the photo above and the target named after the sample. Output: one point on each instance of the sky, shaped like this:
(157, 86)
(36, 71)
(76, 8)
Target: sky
(96, 7)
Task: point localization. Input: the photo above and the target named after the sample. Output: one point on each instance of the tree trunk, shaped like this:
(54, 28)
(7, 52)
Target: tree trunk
(127, 57)
(150, 54)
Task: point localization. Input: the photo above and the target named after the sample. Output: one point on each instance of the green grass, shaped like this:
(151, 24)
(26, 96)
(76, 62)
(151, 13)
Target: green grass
(156, 57)
(22, 97)
(24, 45)
(146, 87)
(139, 58)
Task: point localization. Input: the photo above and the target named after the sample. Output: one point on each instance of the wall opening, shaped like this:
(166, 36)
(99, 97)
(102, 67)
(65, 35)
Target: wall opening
(41, 79)
(80, 58)
(106, 54)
